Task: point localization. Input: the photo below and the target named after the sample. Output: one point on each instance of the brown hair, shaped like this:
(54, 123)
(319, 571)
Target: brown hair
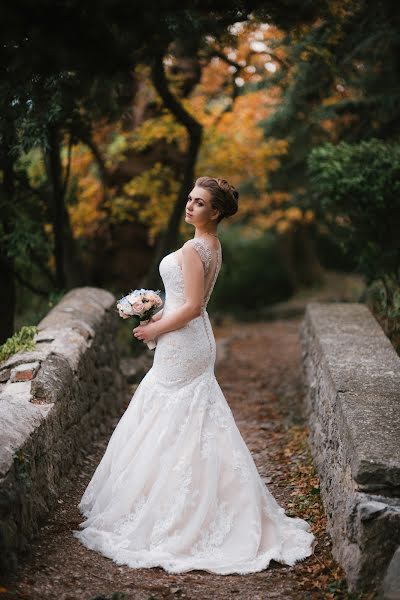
(224, 197)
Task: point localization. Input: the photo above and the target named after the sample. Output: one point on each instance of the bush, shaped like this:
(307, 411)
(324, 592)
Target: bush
(252, 275)
(331, 254)
(356, 192)
(22, 340)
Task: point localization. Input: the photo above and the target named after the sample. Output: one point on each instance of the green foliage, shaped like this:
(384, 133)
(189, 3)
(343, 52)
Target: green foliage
(59, 75)
(32, 308)
(22, 340)
(26, 236)
(331, 254)
(252, 275)
(22, 228)
(356, 192)
(339, 81)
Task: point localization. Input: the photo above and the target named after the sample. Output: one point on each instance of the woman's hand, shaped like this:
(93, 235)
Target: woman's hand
(146, 333)
(157, 316)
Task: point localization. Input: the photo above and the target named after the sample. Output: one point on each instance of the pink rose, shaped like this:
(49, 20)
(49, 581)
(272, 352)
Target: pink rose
(148, 305)
(137, 306)
(154, 298)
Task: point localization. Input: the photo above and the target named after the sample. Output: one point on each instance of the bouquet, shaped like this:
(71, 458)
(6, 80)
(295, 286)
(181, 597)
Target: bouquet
(142, 304)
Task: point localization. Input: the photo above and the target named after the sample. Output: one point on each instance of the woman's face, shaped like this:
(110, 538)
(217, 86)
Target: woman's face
(198, 207)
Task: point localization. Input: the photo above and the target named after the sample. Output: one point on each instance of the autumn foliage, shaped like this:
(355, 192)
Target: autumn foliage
(233, 146)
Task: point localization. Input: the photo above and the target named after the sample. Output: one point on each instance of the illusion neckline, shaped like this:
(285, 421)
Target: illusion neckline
(176, 258)
(208, 245)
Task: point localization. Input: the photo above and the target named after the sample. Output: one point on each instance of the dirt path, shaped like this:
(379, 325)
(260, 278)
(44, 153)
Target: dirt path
(261, 379)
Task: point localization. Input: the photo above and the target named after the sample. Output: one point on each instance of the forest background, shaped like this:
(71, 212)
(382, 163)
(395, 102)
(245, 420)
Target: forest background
(111, 111)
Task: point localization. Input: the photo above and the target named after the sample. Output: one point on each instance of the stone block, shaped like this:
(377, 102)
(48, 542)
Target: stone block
(24, 372)
(53, 402)
(391, 583)
(352, 383)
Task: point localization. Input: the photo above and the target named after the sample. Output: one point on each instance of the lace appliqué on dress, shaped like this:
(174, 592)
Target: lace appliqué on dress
(204, 251)
(172, 507)
(212, 537)
(241, 465)
(127, 523)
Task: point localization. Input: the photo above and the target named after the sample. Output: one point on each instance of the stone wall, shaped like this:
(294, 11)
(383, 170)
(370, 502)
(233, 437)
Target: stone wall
(54, 401)
(352, 382)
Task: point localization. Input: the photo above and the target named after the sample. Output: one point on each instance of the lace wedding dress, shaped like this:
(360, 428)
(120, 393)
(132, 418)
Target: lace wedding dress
(177, 487)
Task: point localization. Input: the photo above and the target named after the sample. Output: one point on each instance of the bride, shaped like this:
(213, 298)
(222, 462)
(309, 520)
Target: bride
(177, 486)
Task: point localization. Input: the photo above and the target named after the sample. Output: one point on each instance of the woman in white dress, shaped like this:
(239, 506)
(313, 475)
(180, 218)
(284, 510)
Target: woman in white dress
(177, 487)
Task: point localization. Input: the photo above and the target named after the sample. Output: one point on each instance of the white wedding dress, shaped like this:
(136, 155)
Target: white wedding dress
(177, 486)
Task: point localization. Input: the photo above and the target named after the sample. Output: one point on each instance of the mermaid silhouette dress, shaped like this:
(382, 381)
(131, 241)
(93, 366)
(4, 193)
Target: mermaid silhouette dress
(177, 487)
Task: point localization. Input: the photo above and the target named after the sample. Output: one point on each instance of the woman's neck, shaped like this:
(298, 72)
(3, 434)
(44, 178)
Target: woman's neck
(201, 233)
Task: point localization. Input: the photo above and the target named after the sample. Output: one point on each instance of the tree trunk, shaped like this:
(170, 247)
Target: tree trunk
(311, 269)
(7, 287)
(168, 239)
(297, 250)
(287, 253)
(7, 297)
(69, 270)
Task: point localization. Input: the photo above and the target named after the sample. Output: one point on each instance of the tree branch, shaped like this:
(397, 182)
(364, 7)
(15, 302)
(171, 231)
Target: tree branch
(169, 237)
(104, 173)
(235, 87)
(174, 106)
(283, 63)
(29, 285)
(222, 56)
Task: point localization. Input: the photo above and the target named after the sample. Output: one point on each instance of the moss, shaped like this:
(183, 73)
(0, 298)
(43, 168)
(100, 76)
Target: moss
(21, 340)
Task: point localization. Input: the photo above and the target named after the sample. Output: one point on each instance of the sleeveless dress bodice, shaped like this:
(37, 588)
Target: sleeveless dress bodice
(184, 354)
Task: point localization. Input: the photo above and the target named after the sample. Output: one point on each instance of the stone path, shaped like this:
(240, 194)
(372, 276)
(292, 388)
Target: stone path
(259, 373)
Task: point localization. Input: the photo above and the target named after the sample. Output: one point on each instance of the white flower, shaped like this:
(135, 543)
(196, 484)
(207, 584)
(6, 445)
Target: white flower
(125, 307)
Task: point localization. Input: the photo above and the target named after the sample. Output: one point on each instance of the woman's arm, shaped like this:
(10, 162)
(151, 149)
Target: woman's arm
(157, 316)
(193, 279)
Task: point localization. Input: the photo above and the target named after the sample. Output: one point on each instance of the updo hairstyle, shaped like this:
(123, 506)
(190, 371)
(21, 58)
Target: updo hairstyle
(224, 197)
